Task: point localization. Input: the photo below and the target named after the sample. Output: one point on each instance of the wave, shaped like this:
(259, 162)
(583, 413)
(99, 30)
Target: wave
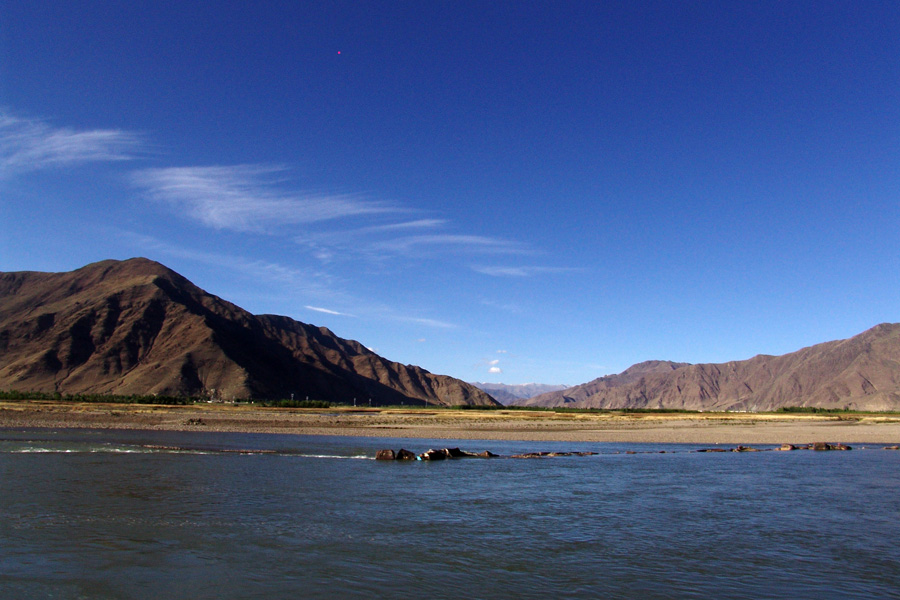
(43, 448)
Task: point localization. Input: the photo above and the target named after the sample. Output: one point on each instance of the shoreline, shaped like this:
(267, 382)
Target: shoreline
(440, 423)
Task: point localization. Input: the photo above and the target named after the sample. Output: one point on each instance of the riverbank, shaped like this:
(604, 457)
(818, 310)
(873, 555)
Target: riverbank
(698, 428)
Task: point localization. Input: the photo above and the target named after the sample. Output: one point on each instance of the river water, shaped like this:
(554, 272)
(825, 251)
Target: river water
(100, 514)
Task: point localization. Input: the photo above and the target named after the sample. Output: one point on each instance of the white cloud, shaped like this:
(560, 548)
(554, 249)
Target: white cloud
(352, 244)
(380, 244)
(327, 311)
(523, 271)
(32, 145)
(495, 370)
(466, 243)
(501, 351)
(405, 225)
(422, 321)
(248, 198)
(507, 307)
(494, 362)
(298, 280)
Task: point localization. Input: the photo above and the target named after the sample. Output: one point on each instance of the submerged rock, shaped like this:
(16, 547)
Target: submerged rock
(745, 449)
(445, 453)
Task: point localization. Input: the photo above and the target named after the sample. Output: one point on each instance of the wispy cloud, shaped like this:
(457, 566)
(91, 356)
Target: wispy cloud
(470, 243)
(327, 246)
(414, 239)
(248, 198)
(327, 311)
(341, 237)
(31, 145)
(422, 321)
(509, 307)
(403, 226)
(314, 284)
(523, 271)
(310, 282)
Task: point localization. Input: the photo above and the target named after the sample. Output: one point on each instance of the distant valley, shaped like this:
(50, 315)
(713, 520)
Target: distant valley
(510, 394)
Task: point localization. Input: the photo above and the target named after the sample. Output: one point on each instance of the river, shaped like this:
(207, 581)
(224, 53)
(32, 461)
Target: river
(104, 514)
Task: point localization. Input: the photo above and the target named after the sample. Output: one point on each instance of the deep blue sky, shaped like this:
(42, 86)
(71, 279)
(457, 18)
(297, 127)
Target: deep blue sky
(498, 191)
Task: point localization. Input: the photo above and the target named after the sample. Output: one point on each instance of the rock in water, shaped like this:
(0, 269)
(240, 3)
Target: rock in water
(821, 446)
(433, 455)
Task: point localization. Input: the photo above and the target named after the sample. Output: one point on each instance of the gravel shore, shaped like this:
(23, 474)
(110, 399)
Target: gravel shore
(697, 428)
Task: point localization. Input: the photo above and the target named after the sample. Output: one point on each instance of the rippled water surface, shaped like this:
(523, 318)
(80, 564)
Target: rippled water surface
(152, 515)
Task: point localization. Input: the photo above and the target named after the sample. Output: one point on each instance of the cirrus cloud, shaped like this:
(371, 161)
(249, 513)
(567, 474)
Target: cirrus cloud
(248, 198)
(521, 271)
(473, 243)
(327, 311)
(32, 145)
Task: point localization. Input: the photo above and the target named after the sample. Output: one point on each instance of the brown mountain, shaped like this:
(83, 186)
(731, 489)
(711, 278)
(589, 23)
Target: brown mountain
(861, 373)
(137, 327)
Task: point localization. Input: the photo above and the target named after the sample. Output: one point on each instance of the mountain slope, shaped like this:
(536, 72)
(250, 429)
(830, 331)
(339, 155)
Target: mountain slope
(862, 372)
(137, 327)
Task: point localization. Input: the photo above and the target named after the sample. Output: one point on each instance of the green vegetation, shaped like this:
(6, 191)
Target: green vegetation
(815, 409)
(148, 399)
(108, 398)
(14, 395)
(295, 403)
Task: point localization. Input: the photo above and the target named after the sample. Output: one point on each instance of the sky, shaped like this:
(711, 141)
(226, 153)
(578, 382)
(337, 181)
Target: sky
(498, 191)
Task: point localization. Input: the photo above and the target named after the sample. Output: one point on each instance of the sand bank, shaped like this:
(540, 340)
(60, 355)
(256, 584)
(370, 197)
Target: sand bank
(703, 428)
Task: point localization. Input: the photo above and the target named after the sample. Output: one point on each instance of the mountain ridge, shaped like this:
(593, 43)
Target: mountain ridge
(861, 372)
(138, 327)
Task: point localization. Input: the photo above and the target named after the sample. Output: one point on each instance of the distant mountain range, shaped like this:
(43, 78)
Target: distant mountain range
(861, 373)
(508, 394)
(137, 327)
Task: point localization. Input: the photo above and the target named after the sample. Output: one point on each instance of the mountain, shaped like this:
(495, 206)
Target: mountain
(509, 394)
(137, 327)
(861, 373)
